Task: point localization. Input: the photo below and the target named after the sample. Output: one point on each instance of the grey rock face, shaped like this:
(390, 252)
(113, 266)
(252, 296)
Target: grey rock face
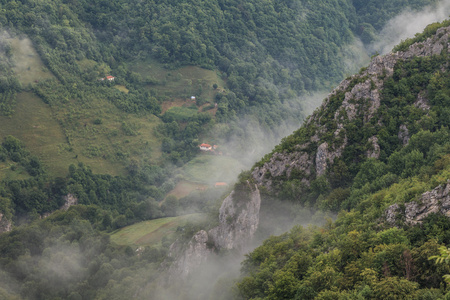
(422, 102)
(238, 221)
(403, 134)
(69, 200)
(321, 159)
(283, 163)
(5, 224)
(362, 100)
(196, 253)
(435, 201)
(392, 213)
(375, 151)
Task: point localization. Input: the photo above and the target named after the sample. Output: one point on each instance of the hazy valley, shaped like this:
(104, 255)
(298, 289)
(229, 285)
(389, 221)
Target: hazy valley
(158, 150)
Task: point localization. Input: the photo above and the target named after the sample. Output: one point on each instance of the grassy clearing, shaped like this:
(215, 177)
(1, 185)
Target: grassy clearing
(184, 188)
(33, 124)
(12, 171)
(106, 138)
(27, 62)
(151, 232)
(166, 105)
(209, 169)
(180, 84)
(105, 147)
(122, 88)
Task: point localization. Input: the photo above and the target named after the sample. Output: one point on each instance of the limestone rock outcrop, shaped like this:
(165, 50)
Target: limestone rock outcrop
(69, 200)
(413, 213)
(238, 221)
(360, 98)
(196, 253)
(5, 224)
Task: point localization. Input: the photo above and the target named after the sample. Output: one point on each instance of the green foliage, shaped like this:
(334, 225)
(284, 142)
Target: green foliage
(64, 257)
(269, 52)
(359, 256)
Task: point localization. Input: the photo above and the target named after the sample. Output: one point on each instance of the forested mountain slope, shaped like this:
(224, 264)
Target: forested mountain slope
(263, 54)
(377, 150)
(268, 52)
(68, 126)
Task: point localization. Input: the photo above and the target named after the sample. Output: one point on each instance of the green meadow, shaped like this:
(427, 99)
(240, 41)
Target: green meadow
(181, 83)
(152, 232)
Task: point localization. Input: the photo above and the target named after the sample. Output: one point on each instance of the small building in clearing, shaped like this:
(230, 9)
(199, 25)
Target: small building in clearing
(220, 184)
(205, 147)
(109, 78)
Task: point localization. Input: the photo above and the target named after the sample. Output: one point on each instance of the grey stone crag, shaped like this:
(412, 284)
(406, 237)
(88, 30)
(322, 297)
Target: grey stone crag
(238, 221)
(403, 134)
(283, 163)
(422, 102)
(5, 224)
(361, 99)
(321, 159)
(195, 254)
(69, 200)
(374, 152)
(413, 213)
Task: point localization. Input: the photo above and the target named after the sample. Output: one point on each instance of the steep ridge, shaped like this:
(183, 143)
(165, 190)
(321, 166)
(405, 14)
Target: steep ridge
(328, 138)
(238, 221)
(324, 138)
(378, 152)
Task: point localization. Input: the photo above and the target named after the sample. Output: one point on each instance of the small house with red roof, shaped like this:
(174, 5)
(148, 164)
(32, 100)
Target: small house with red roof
(205, 147)
(109, 78)
(220, 184)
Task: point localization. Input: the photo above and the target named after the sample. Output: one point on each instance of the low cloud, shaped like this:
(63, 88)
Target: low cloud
(407, 24)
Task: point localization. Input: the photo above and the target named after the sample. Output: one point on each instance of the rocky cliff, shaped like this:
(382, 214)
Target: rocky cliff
(238, 221)
(324, 137)
(348, 128)
(414, 212)
(5, 224)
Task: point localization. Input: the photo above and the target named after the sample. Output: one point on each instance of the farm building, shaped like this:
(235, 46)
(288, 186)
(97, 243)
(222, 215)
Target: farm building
(109, 78)
(205, 147)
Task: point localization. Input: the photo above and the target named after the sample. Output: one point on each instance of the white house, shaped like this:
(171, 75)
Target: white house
(205, 147)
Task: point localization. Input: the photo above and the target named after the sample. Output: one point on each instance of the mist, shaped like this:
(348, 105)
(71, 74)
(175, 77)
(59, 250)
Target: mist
(407, 24)
(217, 277)
(248, 143)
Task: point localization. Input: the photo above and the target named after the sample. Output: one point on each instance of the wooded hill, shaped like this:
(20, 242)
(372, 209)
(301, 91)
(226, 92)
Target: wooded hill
(264, 53)
(378, 152)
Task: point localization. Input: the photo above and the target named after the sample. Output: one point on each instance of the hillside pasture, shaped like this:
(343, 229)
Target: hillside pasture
(181, 83)
(10, 170)
(34, 125)
(151, 232)
(105, 138)
(27, 62)
(185, 187)
(98, 135)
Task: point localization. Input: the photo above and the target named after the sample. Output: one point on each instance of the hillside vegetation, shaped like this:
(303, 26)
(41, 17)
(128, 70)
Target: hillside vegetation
(269, 53)
(121, 147)
(381, 165)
